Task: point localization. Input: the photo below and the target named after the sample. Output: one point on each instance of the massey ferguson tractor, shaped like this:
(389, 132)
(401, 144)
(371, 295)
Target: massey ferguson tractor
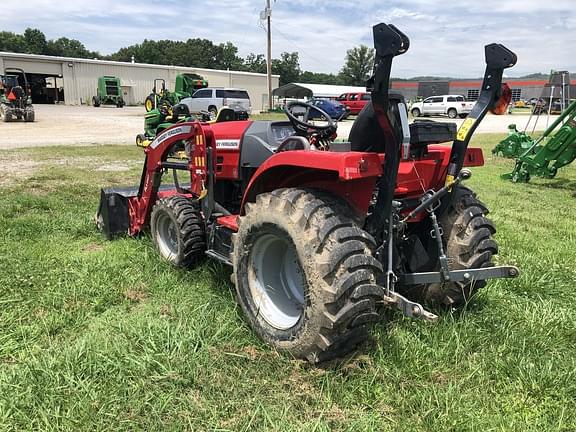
(320, 234)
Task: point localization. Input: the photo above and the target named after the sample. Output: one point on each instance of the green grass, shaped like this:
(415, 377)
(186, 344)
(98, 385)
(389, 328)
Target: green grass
(269, 116)
(98, 335)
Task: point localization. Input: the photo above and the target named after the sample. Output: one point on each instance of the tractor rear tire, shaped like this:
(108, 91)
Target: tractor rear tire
(304, 273)
(178, 231)
(468, 242)
(29, 116)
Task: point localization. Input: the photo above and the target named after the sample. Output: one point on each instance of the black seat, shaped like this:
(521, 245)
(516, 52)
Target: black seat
(293, 143)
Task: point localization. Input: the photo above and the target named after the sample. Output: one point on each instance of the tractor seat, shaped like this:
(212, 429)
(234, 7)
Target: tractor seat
(293, 143)
(179, 111)
(225, 115)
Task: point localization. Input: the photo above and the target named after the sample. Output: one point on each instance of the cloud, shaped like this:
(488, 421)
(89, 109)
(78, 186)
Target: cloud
(447, 38)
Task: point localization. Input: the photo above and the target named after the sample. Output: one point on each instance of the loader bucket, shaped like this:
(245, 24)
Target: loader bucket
(112, 217)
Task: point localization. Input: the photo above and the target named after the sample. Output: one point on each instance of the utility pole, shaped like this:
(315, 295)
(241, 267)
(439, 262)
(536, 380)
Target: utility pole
(268, 15)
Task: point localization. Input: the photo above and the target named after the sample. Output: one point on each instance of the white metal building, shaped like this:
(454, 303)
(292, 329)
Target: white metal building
(79, 77)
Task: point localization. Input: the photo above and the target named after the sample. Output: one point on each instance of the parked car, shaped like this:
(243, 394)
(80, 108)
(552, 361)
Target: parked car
(212, 99)
(450, 105)
(333, 108)
(354, 101)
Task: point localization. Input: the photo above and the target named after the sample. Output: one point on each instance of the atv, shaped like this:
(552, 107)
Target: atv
(15, 100)
(317, 233)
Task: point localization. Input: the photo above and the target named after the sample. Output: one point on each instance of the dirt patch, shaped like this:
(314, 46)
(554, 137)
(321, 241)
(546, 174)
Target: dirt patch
(113, 167)
(93, 247)
(15, 169)
(135, 295)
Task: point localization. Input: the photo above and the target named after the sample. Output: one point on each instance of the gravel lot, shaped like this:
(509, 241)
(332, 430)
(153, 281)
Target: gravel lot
(70, 125)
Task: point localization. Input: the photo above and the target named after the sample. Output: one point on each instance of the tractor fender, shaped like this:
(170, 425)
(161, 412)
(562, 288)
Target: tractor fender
(350, 175)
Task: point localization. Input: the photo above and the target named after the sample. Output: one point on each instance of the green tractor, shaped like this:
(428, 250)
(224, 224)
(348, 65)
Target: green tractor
(186, 85)
(163, 117)
(15, 100)
(109, 92)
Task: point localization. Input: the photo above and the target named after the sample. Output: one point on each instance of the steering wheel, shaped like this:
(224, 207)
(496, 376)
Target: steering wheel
(304, 127)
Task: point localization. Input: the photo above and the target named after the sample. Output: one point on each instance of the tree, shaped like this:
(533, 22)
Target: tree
(227, 56)
(288, 67)
(359, 62)
(35, 41)
(65, 47)
(255, 63)
(12, 42)
(320, 78)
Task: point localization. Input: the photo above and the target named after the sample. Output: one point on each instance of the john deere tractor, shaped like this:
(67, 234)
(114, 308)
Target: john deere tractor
(186, 85)
(15, 100)
(109, 92)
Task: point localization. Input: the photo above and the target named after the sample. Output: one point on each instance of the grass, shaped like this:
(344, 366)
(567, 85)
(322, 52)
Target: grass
(98, 335)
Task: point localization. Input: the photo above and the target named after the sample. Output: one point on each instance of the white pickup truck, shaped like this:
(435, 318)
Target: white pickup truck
(450, 105)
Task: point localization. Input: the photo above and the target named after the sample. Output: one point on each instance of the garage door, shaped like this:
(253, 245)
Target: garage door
(47, 68)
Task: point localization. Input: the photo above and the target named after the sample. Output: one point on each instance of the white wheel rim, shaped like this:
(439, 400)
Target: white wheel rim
(276, 281)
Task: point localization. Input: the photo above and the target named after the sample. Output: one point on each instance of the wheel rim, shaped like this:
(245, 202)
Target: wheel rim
(166, 236)
(148, 105)
(276, 281)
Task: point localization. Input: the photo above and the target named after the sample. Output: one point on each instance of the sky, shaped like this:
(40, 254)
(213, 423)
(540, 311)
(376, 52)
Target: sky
(447, 37)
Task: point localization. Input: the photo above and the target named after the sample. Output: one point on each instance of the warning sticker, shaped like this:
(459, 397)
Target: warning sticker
(465, 128)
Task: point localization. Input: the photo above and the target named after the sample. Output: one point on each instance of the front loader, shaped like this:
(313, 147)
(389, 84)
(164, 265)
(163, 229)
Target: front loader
(554, 149)
(318, 233)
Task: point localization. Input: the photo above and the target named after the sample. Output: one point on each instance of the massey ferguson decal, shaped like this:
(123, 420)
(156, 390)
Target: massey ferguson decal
(228, 144)
(170, 133)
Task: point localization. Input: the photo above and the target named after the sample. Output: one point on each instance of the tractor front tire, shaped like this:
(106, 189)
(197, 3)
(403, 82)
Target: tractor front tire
(29, 116)
(304, 273)
(177, 229)
(96, 101)
(149, 103)
(468, 243)
(7, 115)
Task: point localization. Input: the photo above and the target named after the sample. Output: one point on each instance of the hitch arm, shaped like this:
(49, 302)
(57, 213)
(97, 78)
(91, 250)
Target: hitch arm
(498, 58)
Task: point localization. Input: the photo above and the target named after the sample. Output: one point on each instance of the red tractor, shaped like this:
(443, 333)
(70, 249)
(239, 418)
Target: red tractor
(319, 233)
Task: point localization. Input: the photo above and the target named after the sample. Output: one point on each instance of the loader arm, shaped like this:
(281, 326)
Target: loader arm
(128, 210)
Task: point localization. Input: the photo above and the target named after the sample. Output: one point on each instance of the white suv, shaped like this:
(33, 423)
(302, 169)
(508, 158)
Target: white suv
(212, 99)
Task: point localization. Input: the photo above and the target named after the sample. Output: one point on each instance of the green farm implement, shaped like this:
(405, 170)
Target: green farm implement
(553, 150)
(109, 92)
(516, 143)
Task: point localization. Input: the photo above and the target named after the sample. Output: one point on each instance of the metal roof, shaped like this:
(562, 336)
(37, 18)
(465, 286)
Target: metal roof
(300, 90)
(117, 63)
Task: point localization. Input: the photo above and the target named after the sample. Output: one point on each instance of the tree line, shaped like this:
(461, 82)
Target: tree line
(196, 52)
